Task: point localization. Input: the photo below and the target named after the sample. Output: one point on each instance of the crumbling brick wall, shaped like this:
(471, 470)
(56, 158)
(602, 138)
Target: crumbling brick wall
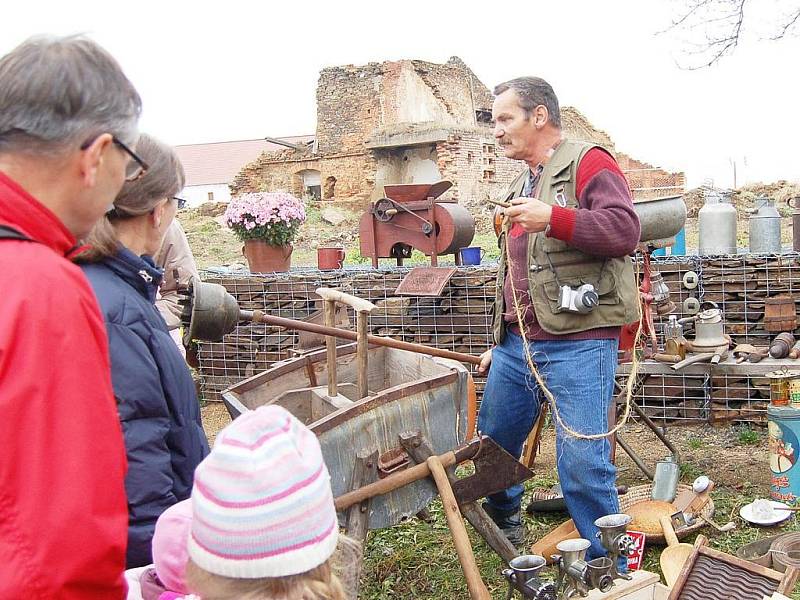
(343, 176)
(476, 166)
(349, 107)
(647, 181)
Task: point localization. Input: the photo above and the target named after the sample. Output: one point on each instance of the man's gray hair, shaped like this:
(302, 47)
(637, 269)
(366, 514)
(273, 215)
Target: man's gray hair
(532, 92)
(61, 92)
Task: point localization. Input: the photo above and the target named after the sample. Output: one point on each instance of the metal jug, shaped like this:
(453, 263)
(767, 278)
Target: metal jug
(794, 204)
(717, 221)
(765, 227)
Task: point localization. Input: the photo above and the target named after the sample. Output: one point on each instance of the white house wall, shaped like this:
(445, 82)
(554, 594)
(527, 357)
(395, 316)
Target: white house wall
(195, 195)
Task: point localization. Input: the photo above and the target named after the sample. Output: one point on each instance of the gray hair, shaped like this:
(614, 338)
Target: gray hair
(164, 178)
(59, 92)
(533, 92)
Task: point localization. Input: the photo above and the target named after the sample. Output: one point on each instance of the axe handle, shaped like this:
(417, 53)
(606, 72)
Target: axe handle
(391, 483)
(477, 589)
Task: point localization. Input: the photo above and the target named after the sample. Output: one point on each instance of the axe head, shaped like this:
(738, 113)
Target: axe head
(495, 470)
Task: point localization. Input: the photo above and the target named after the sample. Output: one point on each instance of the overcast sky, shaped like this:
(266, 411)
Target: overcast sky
(213, 71)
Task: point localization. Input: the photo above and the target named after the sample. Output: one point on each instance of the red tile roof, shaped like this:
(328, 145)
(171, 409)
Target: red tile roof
(219, 162)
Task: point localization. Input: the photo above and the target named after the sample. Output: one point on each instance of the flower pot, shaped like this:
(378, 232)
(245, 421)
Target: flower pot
(264, 258)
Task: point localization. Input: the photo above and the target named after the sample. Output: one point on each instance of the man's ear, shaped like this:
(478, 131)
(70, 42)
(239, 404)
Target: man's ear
(540, 116)
(92, 157)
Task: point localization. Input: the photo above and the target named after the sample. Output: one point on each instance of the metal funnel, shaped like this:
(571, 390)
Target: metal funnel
(573, 550)
(209, 311)
(527, 565)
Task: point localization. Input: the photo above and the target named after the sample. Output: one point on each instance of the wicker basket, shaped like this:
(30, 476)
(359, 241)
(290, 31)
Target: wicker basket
(641, 493)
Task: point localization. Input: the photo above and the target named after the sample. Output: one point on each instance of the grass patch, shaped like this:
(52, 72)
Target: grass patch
(748, 436)
(695, 443)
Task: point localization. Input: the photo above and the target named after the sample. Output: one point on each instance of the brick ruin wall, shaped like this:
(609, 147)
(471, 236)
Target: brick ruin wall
(349, 107)
(343, 176)
(647, 181)
(353, 102)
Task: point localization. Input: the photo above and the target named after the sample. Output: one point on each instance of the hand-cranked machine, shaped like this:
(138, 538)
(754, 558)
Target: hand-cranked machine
(415, 216)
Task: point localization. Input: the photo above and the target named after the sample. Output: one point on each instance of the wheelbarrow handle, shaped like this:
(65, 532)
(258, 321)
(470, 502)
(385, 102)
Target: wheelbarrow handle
(358, 304)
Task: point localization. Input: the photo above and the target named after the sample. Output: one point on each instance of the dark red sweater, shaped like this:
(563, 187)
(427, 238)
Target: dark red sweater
(604, 224)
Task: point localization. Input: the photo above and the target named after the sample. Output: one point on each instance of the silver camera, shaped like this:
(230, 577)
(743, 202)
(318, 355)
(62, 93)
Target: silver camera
(579, 300)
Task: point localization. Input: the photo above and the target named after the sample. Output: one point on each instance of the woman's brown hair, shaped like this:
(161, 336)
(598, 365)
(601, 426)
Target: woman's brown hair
(164, 178)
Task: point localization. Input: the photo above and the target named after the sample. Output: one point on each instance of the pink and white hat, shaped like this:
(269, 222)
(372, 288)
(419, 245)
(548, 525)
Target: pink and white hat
(262, 502)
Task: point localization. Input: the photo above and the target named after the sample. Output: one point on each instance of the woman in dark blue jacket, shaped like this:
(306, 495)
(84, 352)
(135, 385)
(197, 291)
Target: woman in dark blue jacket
(156, 396)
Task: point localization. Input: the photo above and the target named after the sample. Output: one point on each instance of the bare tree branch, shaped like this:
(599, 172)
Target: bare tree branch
(789, 23)
(720, 23)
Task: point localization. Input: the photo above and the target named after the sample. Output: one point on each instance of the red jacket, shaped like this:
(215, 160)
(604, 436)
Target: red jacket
(63, 512)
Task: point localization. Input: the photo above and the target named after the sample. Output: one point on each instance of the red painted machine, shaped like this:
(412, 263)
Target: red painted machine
(412, 216)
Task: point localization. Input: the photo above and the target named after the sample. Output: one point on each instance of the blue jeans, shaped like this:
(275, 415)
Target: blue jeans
(581, 376)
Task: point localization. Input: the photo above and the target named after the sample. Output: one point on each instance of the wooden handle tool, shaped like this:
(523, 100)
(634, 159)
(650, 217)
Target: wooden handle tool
(477, 589)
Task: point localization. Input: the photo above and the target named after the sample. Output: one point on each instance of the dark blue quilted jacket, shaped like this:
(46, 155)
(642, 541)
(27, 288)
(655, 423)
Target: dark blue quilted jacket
(155, 394)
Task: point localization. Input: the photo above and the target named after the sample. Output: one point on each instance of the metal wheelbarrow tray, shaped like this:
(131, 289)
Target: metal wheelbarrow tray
(406, 392)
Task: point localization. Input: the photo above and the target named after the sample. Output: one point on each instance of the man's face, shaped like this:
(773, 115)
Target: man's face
(107, 182)
(513, 130)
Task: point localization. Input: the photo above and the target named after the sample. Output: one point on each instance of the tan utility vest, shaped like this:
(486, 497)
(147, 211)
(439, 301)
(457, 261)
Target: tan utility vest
(612, 278)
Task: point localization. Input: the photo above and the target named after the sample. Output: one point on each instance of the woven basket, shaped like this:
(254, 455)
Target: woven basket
(641, 493)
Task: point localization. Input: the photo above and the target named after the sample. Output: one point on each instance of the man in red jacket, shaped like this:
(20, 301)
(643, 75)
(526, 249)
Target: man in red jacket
(68, 121)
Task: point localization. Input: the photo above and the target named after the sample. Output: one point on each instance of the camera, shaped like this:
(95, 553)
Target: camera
(579, 300)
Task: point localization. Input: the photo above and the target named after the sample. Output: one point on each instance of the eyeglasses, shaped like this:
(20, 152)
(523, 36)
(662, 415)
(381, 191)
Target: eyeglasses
(136, 166)
(181, 202)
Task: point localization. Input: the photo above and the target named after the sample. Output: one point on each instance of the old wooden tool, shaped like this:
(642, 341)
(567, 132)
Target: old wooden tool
(477, 589)
(420, 450)
(505, 471)
(675, 555)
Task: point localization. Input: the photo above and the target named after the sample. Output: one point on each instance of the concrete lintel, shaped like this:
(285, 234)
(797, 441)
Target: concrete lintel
(410, 138)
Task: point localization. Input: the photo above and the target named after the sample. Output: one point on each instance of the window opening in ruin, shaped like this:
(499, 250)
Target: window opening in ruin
(469, 158)
(210, 196)
(488, 149)
(488, 176)
(330, 188)
(308, 182)
(483, 116)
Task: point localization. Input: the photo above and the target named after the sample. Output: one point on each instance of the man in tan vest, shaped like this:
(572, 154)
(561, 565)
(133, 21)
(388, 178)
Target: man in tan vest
(565, 286)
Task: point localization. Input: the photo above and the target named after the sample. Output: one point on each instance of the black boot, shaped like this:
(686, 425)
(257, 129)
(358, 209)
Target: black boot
(509, 522)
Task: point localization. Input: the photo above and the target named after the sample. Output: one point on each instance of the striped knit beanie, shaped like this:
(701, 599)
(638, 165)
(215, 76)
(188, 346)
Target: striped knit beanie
(262, 502)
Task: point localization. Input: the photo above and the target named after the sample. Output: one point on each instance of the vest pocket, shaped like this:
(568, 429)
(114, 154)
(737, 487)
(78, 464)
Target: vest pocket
(550, 292)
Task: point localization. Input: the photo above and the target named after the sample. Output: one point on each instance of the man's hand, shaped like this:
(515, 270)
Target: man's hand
(486, 361)
(532, 214)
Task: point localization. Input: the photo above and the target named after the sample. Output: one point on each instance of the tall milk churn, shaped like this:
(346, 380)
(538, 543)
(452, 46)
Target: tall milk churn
(717, 224)
(794, 203)
(765, 227)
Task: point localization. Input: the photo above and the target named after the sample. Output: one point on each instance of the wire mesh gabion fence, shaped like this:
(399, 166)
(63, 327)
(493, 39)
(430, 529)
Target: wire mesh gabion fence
(460, 319)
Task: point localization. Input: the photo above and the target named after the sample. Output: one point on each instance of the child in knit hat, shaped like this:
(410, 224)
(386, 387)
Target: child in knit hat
(263, 525)
(165, 579)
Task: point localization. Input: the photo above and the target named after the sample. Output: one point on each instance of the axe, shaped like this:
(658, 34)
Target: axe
(495, 470)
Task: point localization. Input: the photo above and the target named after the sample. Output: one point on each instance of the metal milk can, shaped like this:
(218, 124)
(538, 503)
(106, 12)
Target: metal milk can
(765, 227)
(794, 203)
(717, 224)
